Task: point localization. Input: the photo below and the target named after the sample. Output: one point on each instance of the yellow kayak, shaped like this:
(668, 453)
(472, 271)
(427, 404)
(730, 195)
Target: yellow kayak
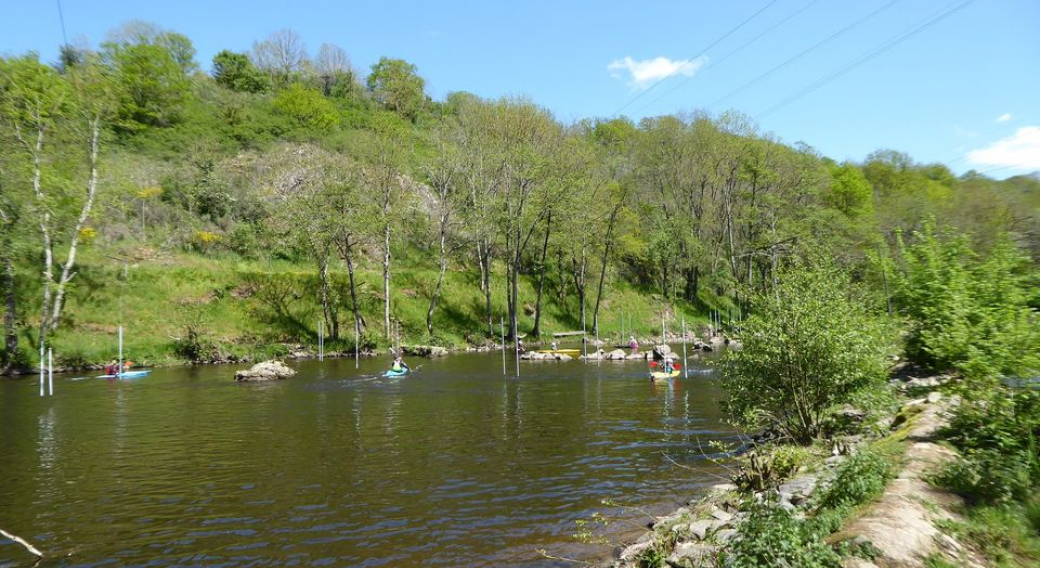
(560, 351)
(662, 376)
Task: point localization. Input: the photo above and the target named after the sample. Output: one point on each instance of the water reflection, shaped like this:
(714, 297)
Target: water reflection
(454, 466)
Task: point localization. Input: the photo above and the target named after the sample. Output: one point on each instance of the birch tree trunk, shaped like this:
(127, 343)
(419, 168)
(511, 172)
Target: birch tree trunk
(84, 214)
(443, 268)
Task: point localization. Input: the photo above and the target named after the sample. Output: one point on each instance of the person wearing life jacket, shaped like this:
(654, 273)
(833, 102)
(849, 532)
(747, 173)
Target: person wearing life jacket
(112, 368)
(399, 365)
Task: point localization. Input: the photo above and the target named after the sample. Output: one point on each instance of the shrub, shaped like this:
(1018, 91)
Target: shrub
(807, 348)
(771, 536)
(966, 314)
(861, 478)
(998, 438)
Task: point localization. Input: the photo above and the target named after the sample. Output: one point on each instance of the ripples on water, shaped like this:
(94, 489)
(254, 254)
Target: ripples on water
(452, 467)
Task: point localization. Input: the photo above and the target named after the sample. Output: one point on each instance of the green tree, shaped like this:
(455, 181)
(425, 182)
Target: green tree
(966, 314)
(236, 72)
(397, 84)
(850, 192)
(153, 86)
(307, 107)
(807, 347)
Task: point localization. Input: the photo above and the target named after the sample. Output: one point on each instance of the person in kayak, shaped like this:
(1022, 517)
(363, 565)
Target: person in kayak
(668, 365)
(553, 345)
(112, 368)
(399, 365)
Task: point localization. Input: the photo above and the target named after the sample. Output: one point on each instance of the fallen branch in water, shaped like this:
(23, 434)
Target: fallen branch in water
(29, 547)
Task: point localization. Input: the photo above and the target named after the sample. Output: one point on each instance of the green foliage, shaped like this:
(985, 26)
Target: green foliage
(307, 107)
(652, 557)
(859, 479)
(850, 192)
(771, 536)
(966, 314)
(236, 72)
(807, 348)
(397, 84)
(153, 87)
(760, 469)
(1004, 534)
(997, 435)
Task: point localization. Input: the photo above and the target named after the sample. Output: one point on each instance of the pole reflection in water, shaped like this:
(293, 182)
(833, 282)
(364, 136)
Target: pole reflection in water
(453, 465)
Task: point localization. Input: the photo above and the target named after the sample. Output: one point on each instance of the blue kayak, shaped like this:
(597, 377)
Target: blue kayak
(126, 375)
(391, 373)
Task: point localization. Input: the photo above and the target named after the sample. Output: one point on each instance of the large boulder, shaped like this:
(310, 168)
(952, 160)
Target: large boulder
(661, 351)
(265, 371)
(616, 355)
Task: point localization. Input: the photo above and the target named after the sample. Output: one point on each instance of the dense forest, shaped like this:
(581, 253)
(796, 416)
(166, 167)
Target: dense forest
(237, 202)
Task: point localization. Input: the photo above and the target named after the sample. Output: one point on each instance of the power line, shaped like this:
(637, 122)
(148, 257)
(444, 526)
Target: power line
(718, 61)
(61, 17)
(875, 52)
(807, 51)
(702, 52)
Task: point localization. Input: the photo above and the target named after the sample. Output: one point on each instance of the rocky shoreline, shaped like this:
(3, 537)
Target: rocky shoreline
(900, 528)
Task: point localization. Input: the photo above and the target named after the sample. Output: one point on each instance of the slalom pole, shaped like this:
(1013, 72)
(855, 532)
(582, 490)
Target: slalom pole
(50, 371)
(516, 344)
(686, 366)
(119, 370)
(357, 349)
(41, 369)
(502, 322)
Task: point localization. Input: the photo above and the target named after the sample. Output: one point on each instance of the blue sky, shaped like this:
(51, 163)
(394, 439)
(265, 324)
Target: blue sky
(963, 91)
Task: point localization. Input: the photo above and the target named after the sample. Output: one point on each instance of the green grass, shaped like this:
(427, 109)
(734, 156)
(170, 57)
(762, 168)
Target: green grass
(1005, 534)
(168, 292)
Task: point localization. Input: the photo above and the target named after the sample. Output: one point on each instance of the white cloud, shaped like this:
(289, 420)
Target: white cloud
(1004, 117)
(1022, 150)
(647, 71)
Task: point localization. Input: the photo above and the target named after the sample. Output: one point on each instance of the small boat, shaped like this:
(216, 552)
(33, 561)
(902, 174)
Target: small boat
(663, 376)
(126, 375)
(570, 352)
(392, 373)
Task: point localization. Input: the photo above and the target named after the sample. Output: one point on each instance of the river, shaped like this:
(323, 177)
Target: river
(453, 466)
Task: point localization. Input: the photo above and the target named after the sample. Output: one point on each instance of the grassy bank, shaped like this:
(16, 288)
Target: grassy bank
(176, 307)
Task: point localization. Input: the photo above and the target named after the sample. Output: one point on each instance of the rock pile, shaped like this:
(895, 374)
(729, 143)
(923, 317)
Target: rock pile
(265, 371)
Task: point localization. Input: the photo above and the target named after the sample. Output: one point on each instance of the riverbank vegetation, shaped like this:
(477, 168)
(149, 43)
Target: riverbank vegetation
(305, 189)
(221, 213)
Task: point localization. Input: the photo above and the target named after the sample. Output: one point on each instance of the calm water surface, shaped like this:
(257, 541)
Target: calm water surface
(455, 466)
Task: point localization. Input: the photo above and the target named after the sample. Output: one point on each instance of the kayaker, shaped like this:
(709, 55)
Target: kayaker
(399, 365)
(112, 368)
(633, 344)
(668, 365)
(553, 346)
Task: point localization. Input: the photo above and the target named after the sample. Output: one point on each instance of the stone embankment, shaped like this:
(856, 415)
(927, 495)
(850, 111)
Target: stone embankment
(901, 527)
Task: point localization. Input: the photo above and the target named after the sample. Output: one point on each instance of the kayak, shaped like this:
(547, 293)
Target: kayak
(126, 375)
(560, 351)
(392, 373)
(661, 375)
